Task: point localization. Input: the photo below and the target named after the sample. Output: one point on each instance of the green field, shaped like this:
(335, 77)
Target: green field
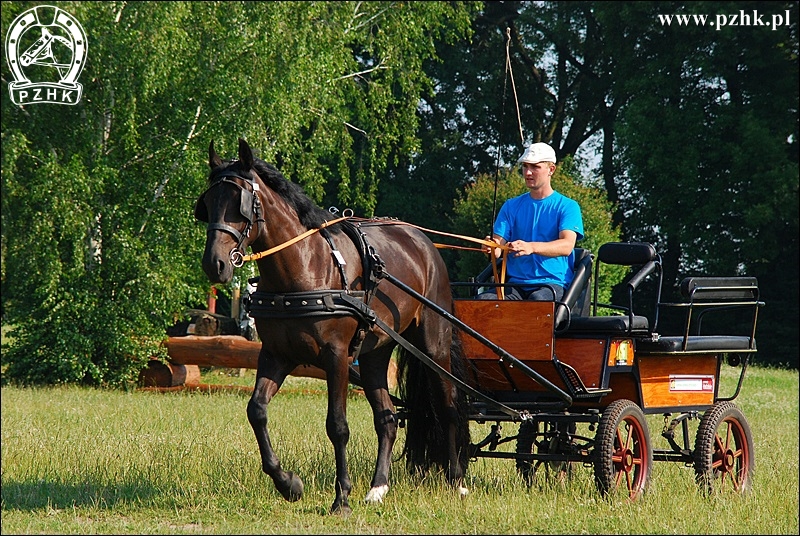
(83, 461)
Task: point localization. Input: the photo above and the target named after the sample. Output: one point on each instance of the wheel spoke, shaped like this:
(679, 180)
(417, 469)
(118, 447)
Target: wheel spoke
(629, 483)
(618, 477)
(718, 446)
(737, 485)
(728, 433)
(629, 429)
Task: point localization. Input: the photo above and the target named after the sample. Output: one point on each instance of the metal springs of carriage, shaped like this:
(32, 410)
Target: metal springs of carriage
(552, 366)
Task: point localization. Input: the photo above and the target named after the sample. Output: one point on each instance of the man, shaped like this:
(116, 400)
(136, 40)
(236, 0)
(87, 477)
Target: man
(541, 228)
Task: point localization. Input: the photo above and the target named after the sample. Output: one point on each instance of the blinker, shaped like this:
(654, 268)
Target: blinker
(200, 210)
(246, 199)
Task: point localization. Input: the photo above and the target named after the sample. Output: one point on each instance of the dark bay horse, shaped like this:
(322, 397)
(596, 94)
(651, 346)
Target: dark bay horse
(313, 306)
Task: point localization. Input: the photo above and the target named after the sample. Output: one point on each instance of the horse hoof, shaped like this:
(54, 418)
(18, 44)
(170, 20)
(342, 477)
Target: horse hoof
(293, 490)
(341, 509)
(462, 491)
(376, 495)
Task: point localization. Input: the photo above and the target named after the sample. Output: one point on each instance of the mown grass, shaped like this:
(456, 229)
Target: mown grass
(82, 461)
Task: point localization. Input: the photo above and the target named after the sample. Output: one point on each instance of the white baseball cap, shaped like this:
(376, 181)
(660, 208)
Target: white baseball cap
(538, 152)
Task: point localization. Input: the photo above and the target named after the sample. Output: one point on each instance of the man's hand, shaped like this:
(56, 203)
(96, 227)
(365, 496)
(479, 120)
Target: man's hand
(489, 250)
(520, 247)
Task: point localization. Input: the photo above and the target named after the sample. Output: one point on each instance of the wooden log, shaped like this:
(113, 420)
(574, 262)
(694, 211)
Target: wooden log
(230, 351)
(158, 374)
(233, 351)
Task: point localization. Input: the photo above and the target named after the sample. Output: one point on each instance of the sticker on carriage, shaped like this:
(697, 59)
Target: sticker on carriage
(46, 52)
(691, 383)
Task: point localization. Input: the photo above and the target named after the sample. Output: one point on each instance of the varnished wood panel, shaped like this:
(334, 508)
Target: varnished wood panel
(522, 328)
(586, 356)
(488, 376)
(669, 381)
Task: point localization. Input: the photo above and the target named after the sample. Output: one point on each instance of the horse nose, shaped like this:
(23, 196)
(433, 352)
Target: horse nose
(221, 265)
(217, 268)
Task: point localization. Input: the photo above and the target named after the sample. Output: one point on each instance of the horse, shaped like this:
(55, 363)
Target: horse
(319, 302)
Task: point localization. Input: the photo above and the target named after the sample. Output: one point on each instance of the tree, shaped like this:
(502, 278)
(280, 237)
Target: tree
(696, 130)
(100, 250)
(710, 133)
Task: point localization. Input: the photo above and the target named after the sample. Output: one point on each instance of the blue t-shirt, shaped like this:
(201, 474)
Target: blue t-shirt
(538, 220)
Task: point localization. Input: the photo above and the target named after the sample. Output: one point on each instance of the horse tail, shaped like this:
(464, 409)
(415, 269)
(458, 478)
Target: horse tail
(423, 392)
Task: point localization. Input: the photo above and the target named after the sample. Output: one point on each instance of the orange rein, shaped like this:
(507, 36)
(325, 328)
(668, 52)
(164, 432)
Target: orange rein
(238, 260)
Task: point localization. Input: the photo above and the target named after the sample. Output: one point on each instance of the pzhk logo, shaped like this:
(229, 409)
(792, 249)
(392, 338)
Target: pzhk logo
(52, 52)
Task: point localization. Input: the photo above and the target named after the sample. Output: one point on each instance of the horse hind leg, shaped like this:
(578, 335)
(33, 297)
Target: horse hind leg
(269, 378)
(436, 400)
(373, 369)
(458, 410)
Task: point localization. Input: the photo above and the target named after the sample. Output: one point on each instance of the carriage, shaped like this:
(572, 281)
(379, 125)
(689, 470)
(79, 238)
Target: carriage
(572, 379)
(554, 365)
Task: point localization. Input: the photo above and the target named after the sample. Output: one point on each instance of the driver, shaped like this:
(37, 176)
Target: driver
(541, 227)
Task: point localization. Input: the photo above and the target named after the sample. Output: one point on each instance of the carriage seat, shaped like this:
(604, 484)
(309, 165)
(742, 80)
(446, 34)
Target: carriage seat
(630, 324)
(694, 344)
(575, 302)
(610, 324)
(708, 295)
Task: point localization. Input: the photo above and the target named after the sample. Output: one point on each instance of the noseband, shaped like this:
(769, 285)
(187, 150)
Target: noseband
(249, 209)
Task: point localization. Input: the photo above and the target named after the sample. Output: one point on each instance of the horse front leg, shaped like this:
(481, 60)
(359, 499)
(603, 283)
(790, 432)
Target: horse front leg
(269, 378)
(336, 426)
(373, 370)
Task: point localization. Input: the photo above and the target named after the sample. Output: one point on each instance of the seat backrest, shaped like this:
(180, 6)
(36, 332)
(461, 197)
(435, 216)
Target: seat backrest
(576, 297)
(629, 254)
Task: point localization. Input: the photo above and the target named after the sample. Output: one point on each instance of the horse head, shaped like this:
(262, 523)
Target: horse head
(231, 208)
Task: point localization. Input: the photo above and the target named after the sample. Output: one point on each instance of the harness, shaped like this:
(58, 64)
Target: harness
(329, 302)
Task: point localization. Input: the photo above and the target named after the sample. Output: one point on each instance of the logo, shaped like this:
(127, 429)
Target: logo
(46, 51)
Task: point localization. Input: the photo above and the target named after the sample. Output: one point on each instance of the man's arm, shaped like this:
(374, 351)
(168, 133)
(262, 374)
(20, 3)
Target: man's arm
(560, 247)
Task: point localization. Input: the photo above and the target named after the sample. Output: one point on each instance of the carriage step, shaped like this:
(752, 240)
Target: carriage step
(574, 382)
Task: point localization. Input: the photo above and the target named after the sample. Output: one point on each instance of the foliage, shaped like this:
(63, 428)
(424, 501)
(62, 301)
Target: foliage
(475, 207)
(710, 135)
(389, 108)
(694, 131)
(100, 251)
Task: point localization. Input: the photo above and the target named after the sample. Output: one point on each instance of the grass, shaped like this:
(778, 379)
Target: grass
(81, 461)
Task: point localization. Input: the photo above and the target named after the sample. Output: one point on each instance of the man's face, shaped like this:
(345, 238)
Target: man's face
(537, 175)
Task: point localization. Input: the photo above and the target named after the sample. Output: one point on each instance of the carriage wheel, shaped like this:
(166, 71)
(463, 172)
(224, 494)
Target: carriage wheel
(623, 453)
(723, 450)
(526, 440)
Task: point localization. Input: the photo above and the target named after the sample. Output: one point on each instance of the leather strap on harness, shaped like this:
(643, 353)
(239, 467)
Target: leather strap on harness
(303, 304)
(343, 302)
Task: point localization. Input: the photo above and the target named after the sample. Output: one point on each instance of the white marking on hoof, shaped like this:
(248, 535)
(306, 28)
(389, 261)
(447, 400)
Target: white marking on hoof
(376, 495)
(462, 491)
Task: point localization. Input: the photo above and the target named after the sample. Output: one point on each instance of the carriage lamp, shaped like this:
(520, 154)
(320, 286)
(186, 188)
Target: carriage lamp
(620, 352)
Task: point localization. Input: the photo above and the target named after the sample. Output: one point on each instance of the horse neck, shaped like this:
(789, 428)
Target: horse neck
(296, 267)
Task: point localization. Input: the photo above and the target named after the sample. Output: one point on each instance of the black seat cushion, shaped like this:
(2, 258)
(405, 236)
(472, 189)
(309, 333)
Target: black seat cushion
(695, 343)
(608, 324)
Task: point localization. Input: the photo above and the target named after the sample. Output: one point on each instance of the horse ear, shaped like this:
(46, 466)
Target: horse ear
(214, 161)
(245, 154)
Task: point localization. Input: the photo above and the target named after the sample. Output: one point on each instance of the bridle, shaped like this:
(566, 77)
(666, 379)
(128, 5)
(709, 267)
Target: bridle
(249, 209)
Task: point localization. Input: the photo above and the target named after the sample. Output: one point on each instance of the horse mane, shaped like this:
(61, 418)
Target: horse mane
(308, 212)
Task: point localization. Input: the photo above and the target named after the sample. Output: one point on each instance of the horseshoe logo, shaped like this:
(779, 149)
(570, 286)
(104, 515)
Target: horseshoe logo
(30, 50)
